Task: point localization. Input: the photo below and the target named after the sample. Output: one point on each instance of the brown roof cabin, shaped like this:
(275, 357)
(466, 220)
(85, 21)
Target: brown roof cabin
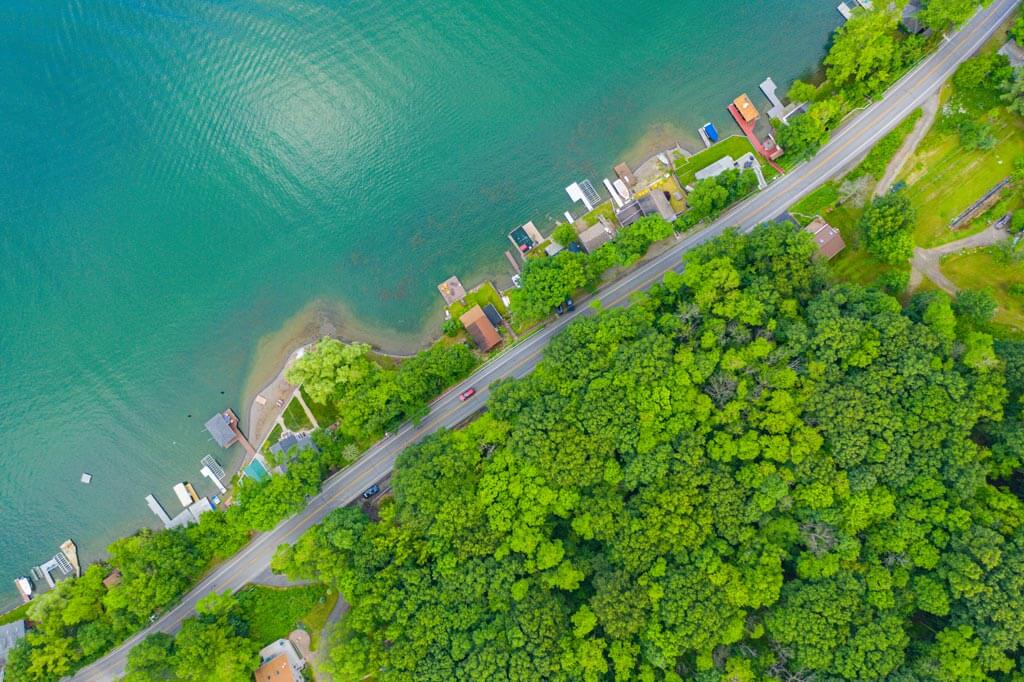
(480, 328)
(826, 238)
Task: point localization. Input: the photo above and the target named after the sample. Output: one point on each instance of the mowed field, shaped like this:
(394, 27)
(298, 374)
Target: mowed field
(988, 269)
(943, 178)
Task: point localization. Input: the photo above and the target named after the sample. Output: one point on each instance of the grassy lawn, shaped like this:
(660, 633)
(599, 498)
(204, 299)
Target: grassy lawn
(854, 263)
(875, 163)
(481, 296)
(325, 415)
(274, 436)
(316, 618)
(815, 203)
(273, 612)
(986, 269)
(734, 146)
(14, 615)
(604, 209)
(670, 185)
(539, 250)
(943, 179)
(294, 417)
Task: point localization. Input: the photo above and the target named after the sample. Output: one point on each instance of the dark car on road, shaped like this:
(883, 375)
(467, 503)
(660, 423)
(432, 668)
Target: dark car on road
(570, 305)
(467, 394)
(371, 491)
(559, 309)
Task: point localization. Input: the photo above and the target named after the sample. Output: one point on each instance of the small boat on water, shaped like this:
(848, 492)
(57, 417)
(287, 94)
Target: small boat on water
(708, 134)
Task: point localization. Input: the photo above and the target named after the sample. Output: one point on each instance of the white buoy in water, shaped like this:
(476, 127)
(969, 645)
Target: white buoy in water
(86, 478)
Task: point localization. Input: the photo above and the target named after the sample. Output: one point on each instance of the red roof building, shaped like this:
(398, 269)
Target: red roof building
(480, 328)
(826, 238)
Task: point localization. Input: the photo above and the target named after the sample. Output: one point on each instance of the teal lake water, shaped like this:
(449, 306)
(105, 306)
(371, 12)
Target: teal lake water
(179, 179)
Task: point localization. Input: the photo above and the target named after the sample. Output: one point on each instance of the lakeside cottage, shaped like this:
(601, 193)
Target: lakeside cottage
(480, 328)
(596, 236)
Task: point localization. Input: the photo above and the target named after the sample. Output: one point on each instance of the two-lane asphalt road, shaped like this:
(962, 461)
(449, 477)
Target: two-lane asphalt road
(847, 145)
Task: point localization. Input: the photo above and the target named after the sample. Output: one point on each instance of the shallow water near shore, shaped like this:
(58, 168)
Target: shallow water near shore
(189, 190)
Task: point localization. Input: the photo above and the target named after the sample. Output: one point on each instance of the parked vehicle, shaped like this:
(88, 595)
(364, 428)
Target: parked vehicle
(517, 281)
(570, 305)
(467, 394)
(560, 309)
(371, 491)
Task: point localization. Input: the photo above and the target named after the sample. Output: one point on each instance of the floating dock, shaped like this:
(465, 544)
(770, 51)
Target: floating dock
(708, 134)
(158, 509)
(769, 88)
(214, 466)
(212, 470)
(585, 192)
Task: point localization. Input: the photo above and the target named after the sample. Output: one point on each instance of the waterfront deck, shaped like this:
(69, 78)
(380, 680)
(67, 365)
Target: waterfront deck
(769, 152)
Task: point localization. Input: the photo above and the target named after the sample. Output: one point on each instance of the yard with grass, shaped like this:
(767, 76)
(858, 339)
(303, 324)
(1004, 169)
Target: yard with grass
(943, 178)
(273, 437)
(670, 185)
(325, 415)
(854, 263)
(481, 296)
(815, 203)
(294, 417)
(989, 268)
(14, 615)
(735, 146)
(274, 612)
(604, 209)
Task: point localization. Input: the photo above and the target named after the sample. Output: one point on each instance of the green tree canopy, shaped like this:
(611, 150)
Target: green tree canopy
(887, 227)
(747, 474)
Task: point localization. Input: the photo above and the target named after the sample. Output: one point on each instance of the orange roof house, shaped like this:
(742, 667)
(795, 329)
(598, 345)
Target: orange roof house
(276, 669)
(480, 328)
(745, 107)
(826, 238)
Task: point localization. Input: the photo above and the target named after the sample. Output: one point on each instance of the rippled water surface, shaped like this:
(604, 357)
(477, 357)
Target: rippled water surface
(178, 179)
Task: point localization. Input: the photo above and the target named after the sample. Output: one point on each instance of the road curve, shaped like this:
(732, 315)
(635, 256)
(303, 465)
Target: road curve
(850, 142)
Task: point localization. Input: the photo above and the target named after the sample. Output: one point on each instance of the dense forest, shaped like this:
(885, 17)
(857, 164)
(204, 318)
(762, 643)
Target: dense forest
(749, 474)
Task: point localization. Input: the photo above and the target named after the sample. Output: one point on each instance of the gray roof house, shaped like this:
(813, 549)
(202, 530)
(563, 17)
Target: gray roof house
(302, 442)
(9, 636)
(656, 202)
(595, 236)
(909, 19)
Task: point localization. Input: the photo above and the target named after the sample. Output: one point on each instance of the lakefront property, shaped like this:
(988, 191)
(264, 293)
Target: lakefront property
(724, 427)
